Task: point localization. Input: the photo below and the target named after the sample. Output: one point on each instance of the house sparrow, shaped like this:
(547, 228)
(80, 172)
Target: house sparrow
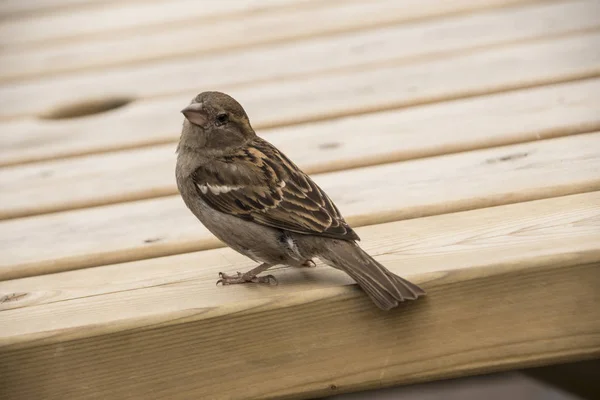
(258, 202)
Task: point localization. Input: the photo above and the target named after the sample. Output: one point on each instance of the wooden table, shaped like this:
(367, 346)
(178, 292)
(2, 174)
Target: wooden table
(461, 139)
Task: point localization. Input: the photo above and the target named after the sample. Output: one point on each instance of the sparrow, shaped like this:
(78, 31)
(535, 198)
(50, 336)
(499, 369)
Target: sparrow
(257, 201)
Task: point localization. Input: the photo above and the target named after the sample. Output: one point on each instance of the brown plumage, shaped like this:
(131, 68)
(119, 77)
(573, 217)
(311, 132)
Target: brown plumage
(269, 189)
(257, 201)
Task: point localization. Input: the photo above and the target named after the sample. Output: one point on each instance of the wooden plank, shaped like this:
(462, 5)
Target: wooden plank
(157, 227)
(114, 17)
(12, 8)
(326, 146)
(186, 39)
(313, 98)
(558, 230)
(362, 49)
(484, 270)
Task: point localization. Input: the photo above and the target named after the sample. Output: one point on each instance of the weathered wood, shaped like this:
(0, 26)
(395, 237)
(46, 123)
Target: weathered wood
(350, 51)
(152, 228)
(530, 256)
(326, 146)
(94, 17)
(12, 8)
(196, 40)
(313, 98)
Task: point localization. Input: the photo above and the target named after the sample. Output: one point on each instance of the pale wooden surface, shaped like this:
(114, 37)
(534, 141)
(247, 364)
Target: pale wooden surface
(326, 146)
(11, 8)
(460, 138)
(115, 17)
(345, 93)
(82, 49)
(452, 333)
(527, 234)
(351, 50)
(535, 264)
(387, 192)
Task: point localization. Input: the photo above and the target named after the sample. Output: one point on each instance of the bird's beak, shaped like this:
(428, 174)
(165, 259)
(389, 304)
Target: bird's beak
(196, 114)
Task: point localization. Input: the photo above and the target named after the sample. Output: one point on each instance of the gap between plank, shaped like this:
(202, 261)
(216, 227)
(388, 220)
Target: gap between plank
(242, 14)
(204, 19)
(72, 263)
(356, 111)
(57, 8)
(556, 231)
(364, 26)
(536, 117)
(27, 14)
(341, 165)
(403, 61)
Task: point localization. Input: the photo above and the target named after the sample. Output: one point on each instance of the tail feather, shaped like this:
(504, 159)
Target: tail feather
(386, 289)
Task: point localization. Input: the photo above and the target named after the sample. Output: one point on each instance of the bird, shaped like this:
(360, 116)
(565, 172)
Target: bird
(254, 199)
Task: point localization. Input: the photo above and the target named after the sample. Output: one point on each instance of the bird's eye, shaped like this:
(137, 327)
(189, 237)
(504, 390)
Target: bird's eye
(222, 118)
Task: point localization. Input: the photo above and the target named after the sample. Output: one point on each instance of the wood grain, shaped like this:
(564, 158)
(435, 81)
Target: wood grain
(332, 339)
(114, 17)
(558, 231)
(460, 138)
(324, 342)
(13, 8)
(352, 50)
(313, 98)
(325, 146)
(152, 228)
(192, 38)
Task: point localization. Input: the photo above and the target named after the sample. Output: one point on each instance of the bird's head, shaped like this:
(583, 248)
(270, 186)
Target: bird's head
(215, 122)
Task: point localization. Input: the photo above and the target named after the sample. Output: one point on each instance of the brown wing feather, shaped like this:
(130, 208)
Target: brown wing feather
(259, 183)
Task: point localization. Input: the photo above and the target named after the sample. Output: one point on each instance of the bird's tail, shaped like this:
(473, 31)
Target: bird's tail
(383, 287)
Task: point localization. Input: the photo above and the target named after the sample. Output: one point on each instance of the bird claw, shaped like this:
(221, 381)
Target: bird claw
(225, 279)
(240, 278)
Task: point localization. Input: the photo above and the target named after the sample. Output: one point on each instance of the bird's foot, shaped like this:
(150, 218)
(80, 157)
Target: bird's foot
(225, 279)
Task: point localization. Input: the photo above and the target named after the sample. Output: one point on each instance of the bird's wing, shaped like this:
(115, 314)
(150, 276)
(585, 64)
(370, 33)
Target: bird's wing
(260, 184)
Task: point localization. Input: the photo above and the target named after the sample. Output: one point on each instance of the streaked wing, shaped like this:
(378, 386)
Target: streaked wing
(259, 183)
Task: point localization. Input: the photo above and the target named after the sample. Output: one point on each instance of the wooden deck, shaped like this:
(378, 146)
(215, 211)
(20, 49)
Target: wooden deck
(461, 139)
